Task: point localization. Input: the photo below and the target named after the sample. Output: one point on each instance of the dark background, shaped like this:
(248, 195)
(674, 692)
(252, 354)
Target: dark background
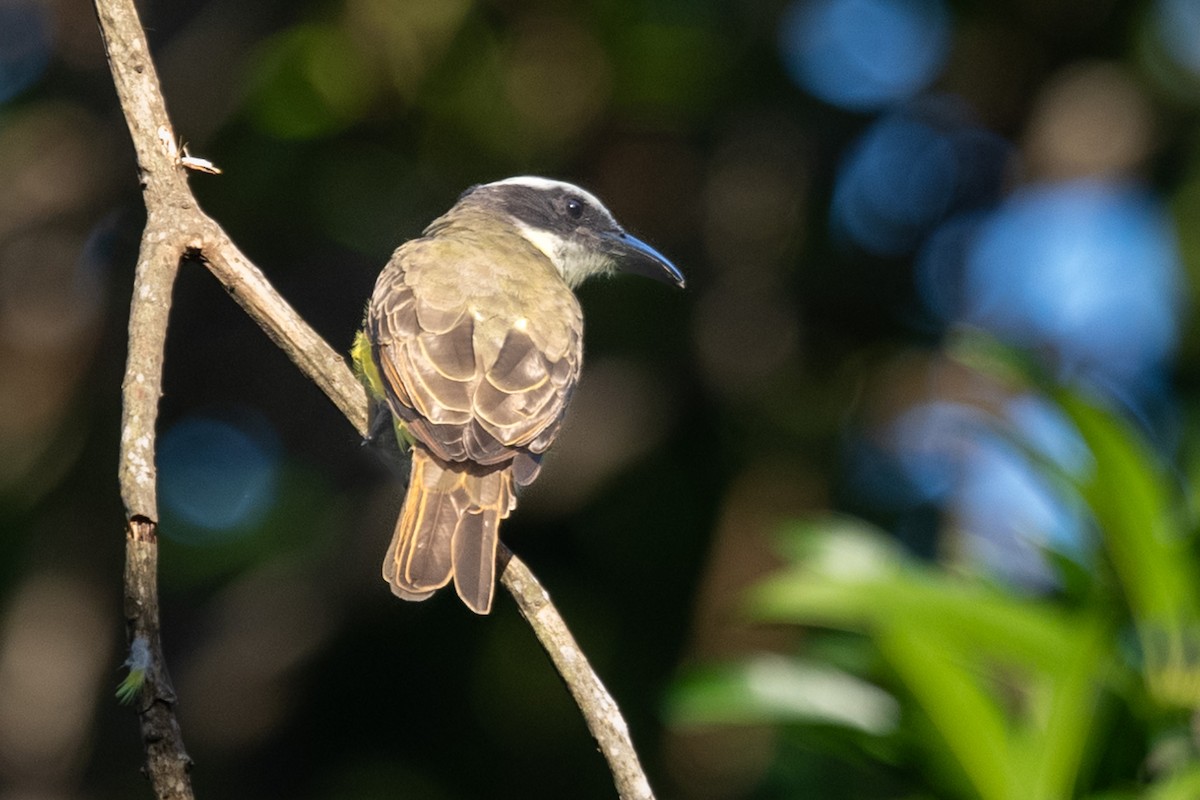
(846, 184)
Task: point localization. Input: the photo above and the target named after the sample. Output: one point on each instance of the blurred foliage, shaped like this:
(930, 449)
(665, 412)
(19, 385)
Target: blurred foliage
(1000, 694)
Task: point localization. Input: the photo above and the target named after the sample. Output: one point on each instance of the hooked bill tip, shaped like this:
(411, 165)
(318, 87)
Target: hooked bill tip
(635, 256)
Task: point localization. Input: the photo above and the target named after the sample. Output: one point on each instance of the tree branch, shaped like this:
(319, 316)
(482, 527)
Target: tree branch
(176, 228)
(600, 711)
(169, 204)
(316, 359)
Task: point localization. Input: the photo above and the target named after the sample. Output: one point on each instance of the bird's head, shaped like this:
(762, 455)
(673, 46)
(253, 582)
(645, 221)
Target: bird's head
(571, 226)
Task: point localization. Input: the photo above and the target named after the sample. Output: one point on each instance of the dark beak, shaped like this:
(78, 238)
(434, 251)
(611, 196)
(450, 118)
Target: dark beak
(635, 256)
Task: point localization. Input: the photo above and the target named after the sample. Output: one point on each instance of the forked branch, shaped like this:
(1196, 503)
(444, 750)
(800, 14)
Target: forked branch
(176, 229)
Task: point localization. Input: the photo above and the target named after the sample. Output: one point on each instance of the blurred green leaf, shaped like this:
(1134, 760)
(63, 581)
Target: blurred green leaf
(970, 722)
(1051, 742)
(773, 688)
(856, 580)
(1184, 785)
(1009, 683)
(1127, 493)
(310, 81)
(987, 355)
(1151, 555)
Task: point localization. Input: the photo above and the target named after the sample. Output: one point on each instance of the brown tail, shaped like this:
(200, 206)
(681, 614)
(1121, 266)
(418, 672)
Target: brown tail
(448, 529)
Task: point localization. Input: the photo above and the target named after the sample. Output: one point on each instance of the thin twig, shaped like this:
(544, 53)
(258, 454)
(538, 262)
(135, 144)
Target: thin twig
(176, 228)
(601, 713)
(315, 358)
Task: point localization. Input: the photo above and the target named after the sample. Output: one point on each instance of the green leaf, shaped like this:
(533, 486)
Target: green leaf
(1052, 739)
(1183, 785)
(1009, 683)
(772, 688)
(1151, 555)
(853, 579)
(310, 81)
(971, 723)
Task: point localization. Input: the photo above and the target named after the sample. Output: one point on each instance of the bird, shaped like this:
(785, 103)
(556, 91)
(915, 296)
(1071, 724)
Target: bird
(470, 350)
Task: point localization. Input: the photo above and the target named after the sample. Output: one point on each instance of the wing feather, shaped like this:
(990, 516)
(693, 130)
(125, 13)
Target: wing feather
(479, 366)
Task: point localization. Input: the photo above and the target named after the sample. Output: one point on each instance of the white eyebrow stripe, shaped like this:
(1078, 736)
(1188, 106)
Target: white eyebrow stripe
(537, 182)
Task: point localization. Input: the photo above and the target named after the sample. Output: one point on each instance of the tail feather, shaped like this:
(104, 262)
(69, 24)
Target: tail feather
(447, 529)
(474, 553)
(418, 561)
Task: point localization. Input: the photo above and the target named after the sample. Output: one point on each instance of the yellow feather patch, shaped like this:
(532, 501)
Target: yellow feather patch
(364, 365)
(362, 357)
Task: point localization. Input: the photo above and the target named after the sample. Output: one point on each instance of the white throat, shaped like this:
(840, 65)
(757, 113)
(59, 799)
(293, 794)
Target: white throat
(574, 261)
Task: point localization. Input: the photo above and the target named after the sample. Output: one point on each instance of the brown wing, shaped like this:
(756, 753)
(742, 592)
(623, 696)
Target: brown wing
(473, 377)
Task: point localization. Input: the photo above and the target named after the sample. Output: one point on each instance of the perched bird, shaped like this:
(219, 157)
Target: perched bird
(471, 348)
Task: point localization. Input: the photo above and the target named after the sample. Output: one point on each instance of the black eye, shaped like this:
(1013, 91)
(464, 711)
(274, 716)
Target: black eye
(574, 208)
